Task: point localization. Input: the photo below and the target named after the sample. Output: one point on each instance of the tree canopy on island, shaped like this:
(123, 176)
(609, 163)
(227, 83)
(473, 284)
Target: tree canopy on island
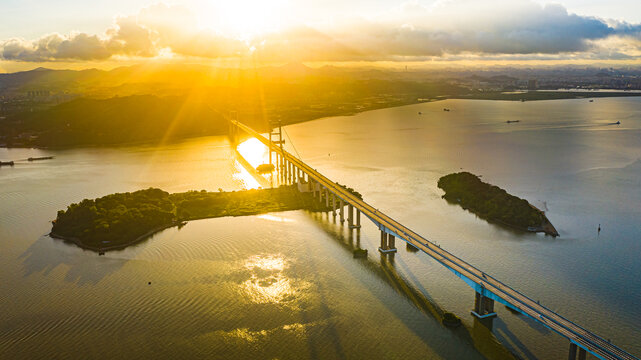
(118, 220)
(488, 201)
(117, 216)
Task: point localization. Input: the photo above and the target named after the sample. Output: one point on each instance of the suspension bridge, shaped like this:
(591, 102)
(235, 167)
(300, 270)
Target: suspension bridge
(487, 289)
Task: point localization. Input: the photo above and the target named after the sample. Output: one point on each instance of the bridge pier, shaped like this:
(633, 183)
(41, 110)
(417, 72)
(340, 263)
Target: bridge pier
(350, 216)
(358, 219)
(288, 171)
(326, 197)
(281, 167)
(284, 171)
(388, 243)
(573, 352)
(483, 306)
(333, 205)
(342, 210)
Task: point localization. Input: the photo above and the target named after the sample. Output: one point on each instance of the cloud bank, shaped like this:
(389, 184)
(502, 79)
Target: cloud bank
(411, 32)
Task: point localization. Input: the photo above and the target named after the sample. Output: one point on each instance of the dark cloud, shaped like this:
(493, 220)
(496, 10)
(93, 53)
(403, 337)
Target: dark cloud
(56, 47)
(523, 28)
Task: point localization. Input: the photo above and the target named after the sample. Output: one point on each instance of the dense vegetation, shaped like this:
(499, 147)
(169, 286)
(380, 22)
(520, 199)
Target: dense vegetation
(157, 104)
(118, 220)
(141, 118)
(490, 202)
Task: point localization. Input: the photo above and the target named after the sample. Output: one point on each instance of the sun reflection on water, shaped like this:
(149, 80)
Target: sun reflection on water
(242, 175)
(267, 282)
(274, 218)
(254, 151)
(250, 154)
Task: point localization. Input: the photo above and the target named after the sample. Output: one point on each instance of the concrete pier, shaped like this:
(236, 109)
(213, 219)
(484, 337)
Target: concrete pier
(572, 354)
(350, 216)
(326, 198)
(582, 354)
(483, 306)
(388, 243)
(342, 210)
(333, 205)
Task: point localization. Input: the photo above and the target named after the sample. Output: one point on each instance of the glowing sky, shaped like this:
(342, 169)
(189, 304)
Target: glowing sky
(41, 31)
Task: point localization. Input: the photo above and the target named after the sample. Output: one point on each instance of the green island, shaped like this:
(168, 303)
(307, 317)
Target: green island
(493, 203)
(118, 220)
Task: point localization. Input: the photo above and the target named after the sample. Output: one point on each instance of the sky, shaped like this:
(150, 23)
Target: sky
(98, 33)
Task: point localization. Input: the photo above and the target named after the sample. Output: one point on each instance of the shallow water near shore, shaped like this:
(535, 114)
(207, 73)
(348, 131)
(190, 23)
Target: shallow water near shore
(286, 285)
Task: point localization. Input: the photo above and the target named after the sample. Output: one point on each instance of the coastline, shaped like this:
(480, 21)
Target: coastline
(141, 238)
(491, 96)
(95, 234)
(493, 204)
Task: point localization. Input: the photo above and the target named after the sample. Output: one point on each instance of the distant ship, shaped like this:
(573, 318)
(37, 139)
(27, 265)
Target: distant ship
(591, 100)
(512, 121)
(446, 109)
(40, 158)
(420, 113)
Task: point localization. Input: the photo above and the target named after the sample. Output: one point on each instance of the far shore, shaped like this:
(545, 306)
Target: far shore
(524, 96)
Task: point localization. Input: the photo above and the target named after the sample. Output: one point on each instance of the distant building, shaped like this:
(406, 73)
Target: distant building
(38, 93)
(531, 84)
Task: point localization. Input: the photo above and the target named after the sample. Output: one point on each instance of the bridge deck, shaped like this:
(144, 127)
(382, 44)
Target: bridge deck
(473, 276)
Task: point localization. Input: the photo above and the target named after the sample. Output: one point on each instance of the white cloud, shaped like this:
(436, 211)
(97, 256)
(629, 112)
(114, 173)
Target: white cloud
(411, 31)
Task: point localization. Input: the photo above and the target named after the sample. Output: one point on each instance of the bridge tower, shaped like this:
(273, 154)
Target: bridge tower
(275, 137)
(233, 129)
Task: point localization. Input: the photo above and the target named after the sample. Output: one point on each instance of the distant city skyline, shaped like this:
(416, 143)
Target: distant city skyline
(108, 33)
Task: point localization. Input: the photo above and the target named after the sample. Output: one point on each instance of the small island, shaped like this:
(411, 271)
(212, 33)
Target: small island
(118, 220)
(493, 203)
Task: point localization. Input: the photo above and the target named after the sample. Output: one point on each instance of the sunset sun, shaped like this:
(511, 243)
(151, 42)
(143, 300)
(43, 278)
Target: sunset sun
(244, 18)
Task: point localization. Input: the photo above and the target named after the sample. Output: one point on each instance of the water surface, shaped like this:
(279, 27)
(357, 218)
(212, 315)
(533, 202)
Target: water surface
(285, 285)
